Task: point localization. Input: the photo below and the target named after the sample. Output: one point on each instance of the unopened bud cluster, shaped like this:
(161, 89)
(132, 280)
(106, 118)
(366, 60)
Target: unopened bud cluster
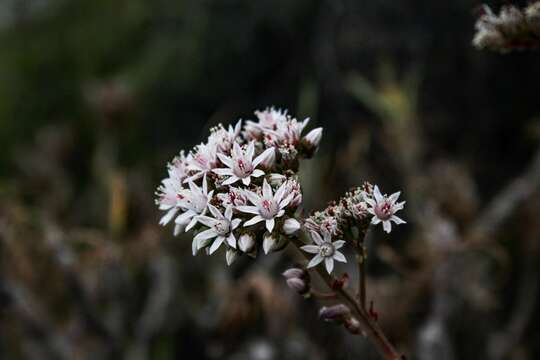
(511, 29)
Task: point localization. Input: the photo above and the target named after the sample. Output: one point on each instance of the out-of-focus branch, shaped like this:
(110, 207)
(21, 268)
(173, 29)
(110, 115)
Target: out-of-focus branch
(43, 340)
(66, 259)
(160, 296)
(505, 203)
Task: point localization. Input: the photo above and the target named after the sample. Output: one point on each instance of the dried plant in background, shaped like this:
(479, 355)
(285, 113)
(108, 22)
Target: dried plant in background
(511, 29)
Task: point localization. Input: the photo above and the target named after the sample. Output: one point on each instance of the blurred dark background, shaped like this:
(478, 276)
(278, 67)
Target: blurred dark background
(96, 96)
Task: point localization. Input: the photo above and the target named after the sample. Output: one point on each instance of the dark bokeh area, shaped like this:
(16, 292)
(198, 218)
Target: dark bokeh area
(96, 97)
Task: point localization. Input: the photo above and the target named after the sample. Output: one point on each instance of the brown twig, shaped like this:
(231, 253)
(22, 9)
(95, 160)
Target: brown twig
(370, 328)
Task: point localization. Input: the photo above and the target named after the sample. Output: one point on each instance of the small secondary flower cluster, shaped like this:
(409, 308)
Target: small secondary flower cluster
(512, 29)
(240, 189)
(240, 185)
(357, 209)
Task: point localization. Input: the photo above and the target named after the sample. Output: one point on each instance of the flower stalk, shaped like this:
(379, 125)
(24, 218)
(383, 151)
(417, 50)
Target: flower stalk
(370, 329)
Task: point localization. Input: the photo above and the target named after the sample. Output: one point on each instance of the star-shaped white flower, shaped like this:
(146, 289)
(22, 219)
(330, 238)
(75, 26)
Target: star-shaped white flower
(268, 206)
(221, 229)
(241, 165)
(383, 208)
(325, 250)
(224, 139)
(201, 161)
(195, 202)
(171, 187)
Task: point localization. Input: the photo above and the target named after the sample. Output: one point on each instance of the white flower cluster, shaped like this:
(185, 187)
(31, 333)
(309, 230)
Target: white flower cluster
(240, 189)
(511, 29)
(240, 185)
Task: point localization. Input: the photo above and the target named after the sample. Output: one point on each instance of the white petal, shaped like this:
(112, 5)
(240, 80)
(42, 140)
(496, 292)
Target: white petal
(339, 257)
(329, 263)
(265, 154)
(185, 217)
(327, 237)
(246, 181)
(231, 180)
(252, 197)
(253, 221)
(178, 228)
(226, 160)
(375, 220)
(202, 243)
(316, 238)
(194, 247)
(338, 244)
(250, 151)
(280, 192)
(392, 198)
(228, 213)
(387, 226)
(216, 244)
(267, 190)
(315, 261)
(248, 209)
(223, 172)
(270, 224)
(235, 223)
(168, 216)
(206, 220)
(217, 214)
(312, 249)
(257, 173)
(377, 194)
(370, 202)
(231, 240)
(397, 220)
(206, 234)
(192, 223)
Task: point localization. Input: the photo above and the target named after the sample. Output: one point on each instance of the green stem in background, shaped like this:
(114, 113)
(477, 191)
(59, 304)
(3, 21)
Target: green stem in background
(369, 327)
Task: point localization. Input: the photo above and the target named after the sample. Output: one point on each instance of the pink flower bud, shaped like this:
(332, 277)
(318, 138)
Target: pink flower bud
(298, 285)
(269, 159)
(335, 312)
(246, 243)
(353, 326)
(296, 273)
(290, 226)
(313, 138)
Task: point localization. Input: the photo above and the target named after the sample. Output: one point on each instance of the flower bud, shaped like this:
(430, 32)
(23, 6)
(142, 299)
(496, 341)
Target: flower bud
(313, 138)
(298, 285)
(246, 243)
(335, 312)
(290, 226)
(353, 326)
(276, 179)
(269, 159)
(269, 242)
(231, 256)
(295, 273)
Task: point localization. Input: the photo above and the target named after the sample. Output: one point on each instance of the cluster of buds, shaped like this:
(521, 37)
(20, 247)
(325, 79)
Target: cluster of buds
(358, 208)
(511, 29)
(239, 190)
